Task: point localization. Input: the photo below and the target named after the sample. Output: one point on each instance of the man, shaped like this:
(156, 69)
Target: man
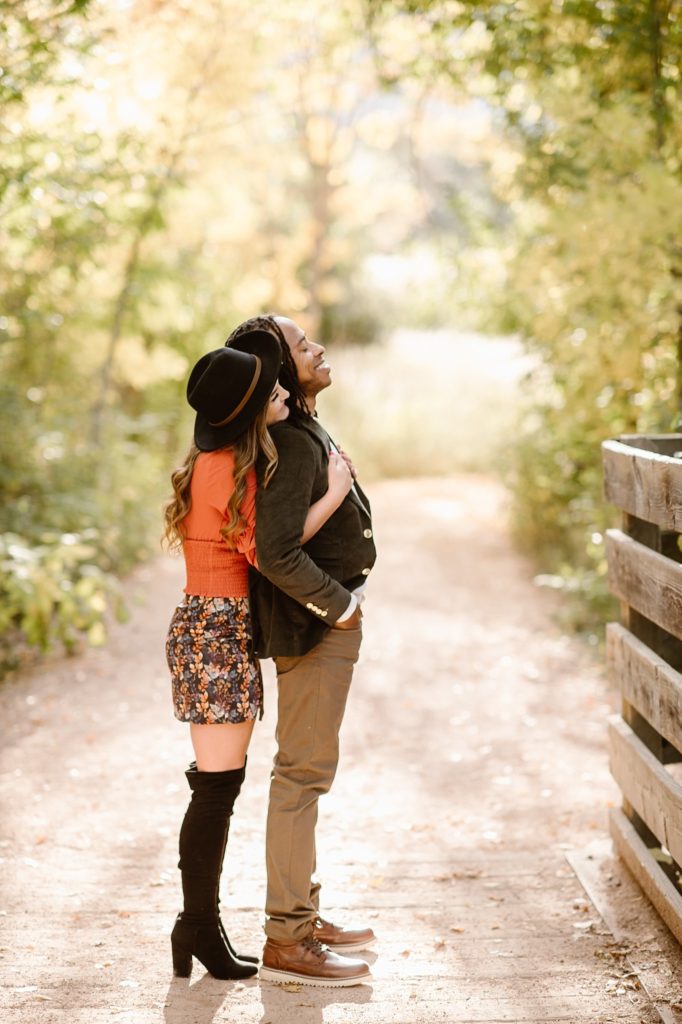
(305, 605)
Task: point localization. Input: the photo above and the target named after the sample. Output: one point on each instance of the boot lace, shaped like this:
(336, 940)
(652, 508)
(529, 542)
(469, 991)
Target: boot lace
(315, 946)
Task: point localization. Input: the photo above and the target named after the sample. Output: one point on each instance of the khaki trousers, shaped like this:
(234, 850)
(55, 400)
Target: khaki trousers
(312, 692)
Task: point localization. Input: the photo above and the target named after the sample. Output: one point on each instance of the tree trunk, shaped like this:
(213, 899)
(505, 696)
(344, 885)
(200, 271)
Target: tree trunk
(659, 13)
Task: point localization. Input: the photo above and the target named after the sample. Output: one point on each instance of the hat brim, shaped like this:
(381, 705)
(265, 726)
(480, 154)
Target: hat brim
(266, 347)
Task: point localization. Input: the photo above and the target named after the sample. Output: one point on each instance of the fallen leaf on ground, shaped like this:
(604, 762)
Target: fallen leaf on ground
(405, 952)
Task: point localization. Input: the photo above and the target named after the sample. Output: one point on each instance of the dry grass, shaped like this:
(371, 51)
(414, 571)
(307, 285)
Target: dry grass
(425, 402)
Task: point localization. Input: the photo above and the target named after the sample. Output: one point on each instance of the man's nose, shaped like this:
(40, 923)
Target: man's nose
(319, 349)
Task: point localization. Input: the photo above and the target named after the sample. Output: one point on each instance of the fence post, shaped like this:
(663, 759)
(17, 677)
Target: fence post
(643, 478)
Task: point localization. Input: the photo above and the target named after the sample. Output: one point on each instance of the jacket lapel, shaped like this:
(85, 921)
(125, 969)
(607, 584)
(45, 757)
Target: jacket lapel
(314, 427)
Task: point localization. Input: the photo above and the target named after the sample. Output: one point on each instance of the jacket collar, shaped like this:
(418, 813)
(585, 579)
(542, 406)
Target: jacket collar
(316, 430)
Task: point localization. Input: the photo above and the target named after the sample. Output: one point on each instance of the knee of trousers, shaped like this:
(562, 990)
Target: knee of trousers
(296, 781)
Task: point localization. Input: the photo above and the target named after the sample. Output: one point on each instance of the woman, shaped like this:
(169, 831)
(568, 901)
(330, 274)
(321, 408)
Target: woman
(216, 680)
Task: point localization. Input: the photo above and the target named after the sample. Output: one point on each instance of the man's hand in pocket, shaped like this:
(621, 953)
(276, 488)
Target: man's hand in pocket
(352, 622)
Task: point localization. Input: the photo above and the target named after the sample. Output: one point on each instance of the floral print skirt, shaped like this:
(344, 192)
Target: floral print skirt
(215, 676)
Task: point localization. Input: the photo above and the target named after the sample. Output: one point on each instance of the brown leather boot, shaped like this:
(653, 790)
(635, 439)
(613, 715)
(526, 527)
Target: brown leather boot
(342, 940)
(308, 962)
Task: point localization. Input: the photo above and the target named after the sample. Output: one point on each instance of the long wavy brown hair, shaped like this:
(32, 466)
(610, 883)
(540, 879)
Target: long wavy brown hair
(255, 440)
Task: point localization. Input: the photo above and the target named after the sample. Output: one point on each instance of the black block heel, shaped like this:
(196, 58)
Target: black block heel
(205, 941)
(182, 961)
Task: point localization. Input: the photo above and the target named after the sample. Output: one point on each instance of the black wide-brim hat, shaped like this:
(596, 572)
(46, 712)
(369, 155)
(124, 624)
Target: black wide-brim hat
(228, 388)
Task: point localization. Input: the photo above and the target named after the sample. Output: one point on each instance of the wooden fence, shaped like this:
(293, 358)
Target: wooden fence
(643, 477)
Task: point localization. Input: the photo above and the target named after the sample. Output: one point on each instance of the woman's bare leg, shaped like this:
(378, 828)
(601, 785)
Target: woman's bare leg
(220, 748)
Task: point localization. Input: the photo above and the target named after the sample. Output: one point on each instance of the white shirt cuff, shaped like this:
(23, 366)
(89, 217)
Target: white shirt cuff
(349, 610)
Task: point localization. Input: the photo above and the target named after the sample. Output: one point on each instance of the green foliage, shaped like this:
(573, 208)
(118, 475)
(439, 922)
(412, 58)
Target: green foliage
(590, 104)
(79, 481)
(157, 186)
(50, 591)
(56, 582)
(596, 278)
(164, 176)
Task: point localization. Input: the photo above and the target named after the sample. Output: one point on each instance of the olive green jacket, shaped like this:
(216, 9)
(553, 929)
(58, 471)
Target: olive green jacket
(302, 589)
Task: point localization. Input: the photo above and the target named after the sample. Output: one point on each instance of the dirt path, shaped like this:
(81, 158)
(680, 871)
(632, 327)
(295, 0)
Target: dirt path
(473, 761)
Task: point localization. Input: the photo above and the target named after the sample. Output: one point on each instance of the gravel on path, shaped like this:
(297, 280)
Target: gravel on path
(473, 760)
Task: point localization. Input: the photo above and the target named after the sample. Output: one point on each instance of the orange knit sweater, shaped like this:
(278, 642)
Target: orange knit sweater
(213, 569)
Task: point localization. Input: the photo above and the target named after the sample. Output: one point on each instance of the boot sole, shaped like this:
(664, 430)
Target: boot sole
(350, 947)
(288, 977)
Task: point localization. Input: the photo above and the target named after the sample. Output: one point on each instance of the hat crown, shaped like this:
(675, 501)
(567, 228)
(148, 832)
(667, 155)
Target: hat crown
(230, 386)
(221, 382)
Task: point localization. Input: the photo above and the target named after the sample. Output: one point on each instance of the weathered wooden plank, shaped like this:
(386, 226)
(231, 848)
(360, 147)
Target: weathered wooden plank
(662, 444)
(646, 682)
(646, 784)
(657, 639)
(643, 483)
(647, 581)
(654, 882)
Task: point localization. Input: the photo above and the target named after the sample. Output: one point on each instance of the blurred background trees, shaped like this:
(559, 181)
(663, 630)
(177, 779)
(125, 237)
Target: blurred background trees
(589, 101)
(169, 168)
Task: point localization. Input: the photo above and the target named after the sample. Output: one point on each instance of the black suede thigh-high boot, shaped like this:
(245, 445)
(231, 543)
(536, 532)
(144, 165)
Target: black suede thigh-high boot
(239, 956)
(198, 931)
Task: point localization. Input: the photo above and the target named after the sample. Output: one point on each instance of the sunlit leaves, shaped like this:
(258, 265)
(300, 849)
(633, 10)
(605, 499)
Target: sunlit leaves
(591, 98)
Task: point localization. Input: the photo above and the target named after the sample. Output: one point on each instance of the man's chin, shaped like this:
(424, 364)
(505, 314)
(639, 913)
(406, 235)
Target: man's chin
(319, 382)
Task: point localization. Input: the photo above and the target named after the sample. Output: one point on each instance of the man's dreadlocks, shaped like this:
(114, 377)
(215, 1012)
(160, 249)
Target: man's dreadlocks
(288, 376)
